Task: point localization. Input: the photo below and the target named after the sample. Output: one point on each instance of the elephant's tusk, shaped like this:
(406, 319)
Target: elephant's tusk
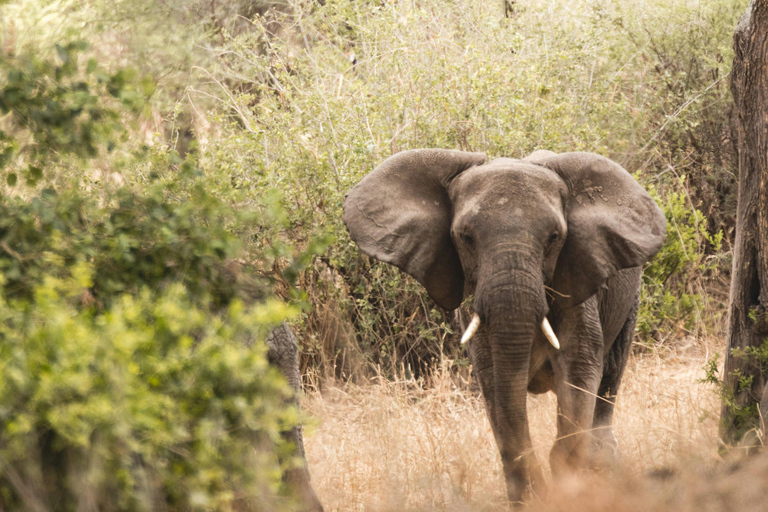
(549, 333)
(474, 324)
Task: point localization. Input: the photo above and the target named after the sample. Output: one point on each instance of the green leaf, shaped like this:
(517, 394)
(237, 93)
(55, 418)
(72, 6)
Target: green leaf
(35, 172)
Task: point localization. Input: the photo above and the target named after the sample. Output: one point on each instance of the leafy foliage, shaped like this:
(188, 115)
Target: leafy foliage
(745, 415)
(669, 302)
(157, 401)
(132, 328)
(640, 82)
(58, 109)
(309, 97)
(135, 240)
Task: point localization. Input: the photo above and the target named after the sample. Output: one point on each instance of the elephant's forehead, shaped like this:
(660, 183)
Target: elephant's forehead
(506, 180)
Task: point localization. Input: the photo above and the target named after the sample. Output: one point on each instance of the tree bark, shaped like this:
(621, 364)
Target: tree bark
(747, 326)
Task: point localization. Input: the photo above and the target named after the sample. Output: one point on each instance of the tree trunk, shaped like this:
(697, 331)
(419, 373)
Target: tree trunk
(744, 381)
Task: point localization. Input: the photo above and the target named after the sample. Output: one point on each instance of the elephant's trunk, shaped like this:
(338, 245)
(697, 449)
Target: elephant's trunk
(516, 273)
(513, 310)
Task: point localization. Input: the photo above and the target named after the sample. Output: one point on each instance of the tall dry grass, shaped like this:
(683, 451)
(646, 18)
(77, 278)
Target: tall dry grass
(408, 445)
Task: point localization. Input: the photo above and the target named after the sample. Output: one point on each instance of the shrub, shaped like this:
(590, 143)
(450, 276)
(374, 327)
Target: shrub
(280, 103)
(133, 318)
(157, 402)
(670, 304)
(136, 239)
(58, 109)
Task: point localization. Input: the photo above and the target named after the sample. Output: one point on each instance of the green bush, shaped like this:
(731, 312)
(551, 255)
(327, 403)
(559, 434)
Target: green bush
(58, 109)
(669, 304)
(157, 402)
(136, 239)
(276, 102)
(134, 313)
(164, 225)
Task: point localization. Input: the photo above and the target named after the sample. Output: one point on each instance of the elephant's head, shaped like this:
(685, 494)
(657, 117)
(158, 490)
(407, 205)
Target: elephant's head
(456, 223)
(507, 231)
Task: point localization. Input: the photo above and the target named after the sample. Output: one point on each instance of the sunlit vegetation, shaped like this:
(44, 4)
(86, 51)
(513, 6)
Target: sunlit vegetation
(171, 183)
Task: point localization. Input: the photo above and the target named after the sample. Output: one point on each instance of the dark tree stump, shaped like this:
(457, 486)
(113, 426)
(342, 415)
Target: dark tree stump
(283, 352)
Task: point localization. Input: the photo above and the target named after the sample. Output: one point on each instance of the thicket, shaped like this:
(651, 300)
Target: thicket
(133, 308)
(315, 107)
(308, 97)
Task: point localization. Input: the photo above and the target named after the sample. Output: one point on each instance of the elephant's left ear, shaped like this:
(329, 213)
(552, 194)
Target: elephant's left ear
(612, 222)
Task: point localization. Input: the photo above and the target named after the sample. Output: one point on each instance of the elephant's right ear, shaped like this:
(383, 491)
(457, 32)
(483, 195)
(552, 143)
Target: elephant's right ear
(400, 213)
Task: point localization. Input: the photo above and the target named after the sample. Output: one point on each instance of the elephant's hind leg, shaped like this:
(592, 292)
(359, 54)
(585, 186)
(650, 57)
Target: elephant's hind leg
(606, 448)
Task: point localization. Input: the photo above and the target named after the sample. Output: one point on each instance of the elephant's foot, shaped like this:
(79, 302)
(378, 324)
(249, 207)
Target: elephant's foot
(518, 489)
(605, 449)
(570, 453)
(595, 449)
(524, 479)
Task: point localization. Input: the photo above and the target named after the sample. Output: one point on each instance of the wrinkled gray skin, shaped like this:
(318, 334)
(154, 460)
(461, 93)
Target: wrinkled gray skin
(558, 235)
(283, 352)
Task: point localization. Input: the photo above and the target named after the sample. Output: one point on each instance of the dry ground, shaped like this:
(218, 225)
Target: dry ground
(409, 446)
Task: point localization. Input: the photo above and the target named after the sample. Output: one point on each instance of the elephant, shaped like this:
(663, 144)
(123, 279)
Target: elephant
(283, 353)
(551, 247)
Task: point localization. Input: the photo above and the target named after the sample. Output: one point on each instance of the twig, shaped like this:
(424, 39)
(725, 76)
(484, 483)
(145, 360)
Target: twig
(677, 113)
(11, 251)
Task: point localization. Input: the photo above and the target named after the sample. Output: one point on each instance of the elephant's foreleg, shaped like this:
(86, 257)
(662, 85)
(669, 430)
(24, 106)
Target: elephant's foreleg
(578, 369)
(283, 352)
(613, 370)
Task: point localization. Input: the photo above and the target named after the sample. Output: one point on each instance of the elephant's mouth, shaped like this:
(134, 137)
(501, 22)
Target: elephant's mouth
(546, 328)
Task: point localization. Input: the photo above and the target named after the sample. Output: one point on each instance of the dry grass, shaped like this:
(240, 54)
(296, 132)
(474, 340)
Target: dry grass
(406, 445)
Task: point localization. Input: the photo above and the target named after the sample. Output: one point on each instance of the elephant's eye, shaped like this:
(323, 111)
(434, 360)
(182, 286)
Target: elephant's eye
(552, 238)
(468, 240)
